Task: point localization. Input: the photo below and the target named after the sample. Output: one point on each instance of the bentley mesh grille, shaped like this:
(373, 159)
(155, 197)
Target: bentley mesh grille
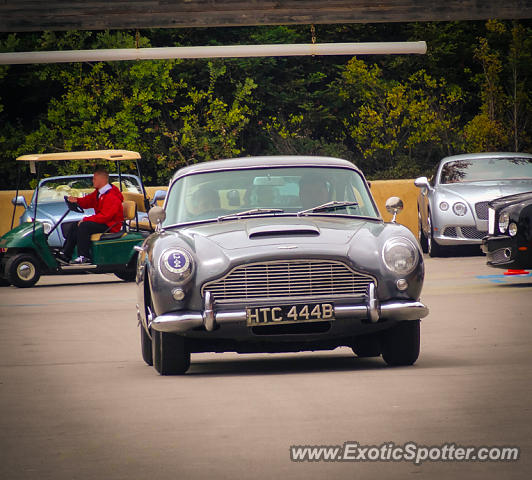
(472, 232)
(294, 278)
(450, 232)
(481, 209)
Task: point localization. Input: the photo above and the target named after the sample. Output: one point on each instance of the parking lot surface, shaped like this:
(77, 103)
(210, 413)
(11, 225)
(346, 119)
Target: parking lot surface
(77, 401)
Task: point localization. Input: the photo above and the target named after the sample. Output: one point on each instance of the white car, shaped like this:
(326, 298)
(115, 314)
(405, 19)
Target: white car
(453, 205)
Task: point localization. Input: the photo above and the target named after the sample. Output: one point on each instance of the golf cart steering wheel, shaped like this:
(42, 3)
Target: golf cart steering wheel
(73, 206)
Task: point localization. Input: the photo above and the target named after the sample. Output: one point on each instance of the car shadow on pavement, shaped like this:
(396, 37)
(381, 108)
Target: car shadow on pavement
(283, 365)
(79, 284)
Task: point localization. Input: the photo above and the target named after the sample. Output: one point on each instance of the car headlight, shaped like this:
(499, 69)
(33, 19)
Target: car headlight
(444, 206)
(512, 229)
(400, 255)
(460, 209)
(504, 220)
(176, 265)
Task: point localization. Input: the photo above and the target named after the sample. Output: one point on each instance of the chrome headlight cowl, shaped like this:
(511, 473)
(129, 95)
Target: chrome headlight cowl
(400, 255)
(460, 209)
(504, 220)
(176, 265)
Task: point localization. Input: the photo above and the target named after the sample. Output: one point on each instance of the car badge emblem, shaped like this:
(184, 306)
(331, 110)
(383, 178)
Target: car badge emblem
(287, 247)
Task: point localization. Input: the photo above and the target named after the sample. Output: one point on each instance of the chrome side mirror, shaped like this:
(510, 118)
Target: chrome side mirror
(394, 205)
(19, 201)
(157, 196)
(422, 182)
(157, 215)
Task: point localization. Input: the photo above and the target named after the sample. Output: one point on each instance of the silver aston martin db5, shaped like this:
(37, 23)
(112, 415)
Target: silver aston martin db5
(276, 254)
(453, 206)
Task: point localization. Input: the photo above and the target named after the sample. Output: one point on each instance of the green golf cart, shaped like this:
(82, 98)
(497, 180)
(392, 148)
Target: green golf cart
(25, 253)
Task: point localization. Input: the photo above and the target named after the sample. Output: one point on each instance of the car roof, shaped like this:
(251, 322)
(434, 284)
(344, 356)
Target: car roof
(111, 155)
(485, 155)
(264, 161)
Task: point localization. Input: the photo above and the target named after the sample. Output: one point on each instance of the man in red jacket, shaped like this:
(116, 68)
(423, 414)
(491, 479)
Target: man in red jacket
(107, 203)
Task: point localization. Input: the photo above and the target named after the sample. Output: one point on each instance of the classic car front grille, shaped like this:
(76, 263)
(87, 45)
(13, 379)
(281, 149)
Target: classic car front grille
(293, 278)
(481, 209)
(450, 232)
(473, 232)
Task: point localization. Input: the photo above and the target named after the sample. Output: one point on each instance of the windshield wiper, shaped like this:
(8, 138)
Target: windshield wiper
(253, 211)
(328, 206)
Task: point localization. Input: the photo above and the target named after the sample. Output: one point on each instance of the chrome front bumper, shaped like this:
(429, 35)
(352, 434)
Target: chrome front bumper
(372, 311)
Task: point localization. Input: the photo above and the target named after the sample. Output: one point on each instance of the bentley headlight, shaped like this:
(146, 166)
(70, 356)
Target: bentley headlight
(444, 206)
(176, 265)
(459, 209)
(504, 219)
(400, 255)
(512, 229)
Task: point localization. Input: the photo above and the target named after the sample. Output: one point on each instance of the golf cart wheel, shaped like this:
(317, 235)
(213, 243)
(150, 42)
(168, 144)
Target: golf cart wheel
(23, 270)
(400, 344)
(170, 353)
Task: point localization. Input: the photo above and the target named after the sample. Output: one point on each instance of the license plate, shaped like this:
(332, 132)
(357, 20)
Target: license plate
(307, 312)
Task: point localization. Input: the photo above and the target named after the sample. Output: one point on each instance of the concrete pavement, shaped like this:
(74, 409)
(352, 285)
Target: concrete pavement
(77, 402)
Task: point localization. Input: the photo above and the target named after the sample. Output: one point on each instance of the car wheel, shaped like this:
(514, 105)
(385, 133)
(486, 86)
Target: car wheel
(145, 345)
(400, 344)
(423, 242)
(433, 249)
(170, 353)
(366, 346)
(23, 270)
(127, 275)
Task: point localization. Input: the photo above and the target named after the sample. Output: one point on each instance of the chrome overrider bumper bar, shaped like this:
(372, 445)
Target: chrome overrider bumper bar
(372, 311)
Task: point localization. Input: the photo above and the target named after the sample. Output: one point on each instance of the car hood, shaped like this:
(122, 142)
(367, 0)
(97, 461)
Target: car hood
(53, 211)
(222, 245)
(279, 231)
(485, 191)
(512, 200)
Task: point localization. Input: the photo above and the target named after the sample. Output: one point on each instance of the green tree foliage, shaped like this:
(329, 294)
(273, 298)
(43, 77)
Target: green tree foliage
(395, 116)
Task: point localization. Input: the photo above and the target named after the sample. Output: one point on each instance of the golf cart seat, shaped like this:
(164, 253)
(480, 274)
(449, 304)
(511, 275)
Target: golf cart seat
(130, 213)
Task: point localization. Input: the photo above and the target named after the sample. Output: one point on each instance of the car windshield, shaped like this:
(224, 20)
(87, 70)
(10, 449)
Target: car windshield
(485, 169)
(287, 190)
(54, 189)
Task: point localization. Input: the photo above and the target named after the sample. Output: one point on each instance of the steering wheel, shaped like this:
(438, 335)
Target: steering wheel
(73, 206)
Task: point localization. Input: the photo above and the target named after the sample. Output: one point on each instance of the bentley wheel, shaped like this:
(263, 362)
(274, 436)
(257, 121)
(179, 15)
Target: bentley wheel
(23, 270)
(170, 353)
(400, 344)
(423, 242)
(433, 249)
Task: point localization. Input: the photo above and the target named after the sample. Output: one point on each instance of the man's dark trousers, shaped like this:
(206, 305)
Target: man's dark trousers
(81, 235)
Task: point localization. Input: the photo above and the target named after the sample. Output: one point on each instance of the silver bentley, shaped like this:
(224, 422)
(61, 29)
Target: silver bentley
(453, 205)
(276, 254)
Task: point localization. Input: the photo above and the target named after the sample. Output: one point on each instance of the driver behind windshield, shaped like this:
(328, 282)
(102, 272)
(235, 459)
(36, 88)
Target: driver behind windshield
(205, 200)
(313, 191)
(107, 201)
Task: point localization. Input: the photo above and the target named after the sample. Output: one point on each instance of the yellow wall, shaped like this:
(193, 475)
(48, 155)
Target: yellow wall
(381, 190)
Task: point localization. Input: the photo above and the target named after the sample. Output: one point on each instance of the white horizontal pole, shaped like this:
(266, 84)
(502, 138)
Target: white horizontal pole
(225, 51)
